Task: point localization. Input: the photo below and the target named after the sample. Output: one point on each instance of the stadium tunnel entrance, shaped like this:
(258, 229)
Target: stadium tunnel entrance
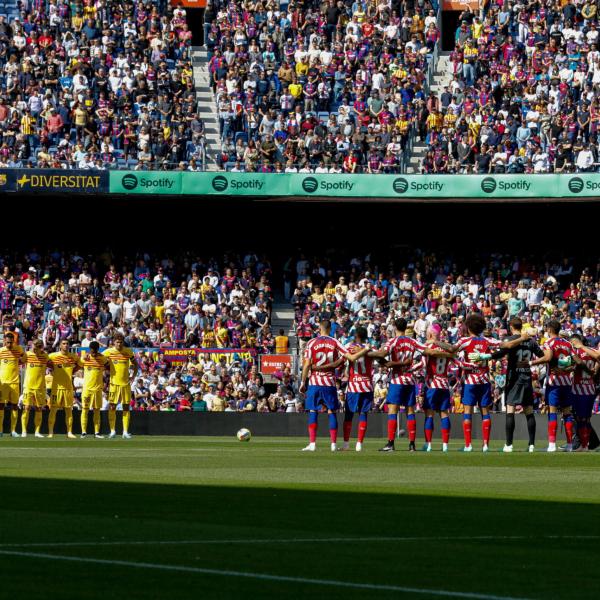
(450, 22)
(195, 21)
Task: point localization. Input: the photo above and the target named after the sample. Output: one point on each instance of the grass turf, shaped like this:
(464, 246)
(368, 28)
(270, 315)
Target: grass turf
(511, 526)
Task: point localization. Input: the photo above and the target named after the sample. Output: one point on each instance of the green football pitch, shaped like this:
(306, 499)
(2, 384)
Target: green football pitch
(216, 518)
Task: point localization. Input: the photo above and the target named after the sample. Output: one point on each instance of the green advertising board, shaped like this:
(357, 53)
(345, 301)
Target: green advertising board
(355, 186)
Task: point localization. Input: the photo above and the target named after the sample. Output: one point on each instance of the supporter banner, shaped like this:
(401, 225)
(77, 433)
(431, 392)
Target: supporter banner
(181, 355)
(460, 4)
(8, 180)
(270, 363)
(59, 180)
(356, 186)
(188, 3)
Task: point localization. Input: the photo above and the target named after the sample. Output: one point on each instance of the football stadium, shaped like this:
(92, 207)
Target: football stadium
(299, 299)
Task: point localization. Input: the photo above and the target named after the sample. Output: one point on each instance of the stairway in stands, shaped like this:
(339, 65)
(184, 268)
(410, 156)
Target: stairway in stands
(441, 78)
(206, 106)
(282, 317)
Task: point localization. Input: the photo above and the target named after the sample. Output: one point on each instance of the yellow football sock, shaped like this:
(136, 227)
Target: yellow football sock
(51, 419)
(96, 420)
(14, 417)
(84, 419)
(24, 420)
(37, 420)
(112, 419)
(126, 417)
(69, 419)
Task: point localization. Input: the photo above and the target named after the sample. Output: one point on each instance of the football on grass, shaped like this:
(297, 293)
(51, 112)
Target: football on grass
(244, 435)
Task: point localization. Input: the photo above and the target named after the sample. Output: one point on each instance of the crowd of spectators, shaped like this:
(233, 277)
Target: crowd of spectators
(174, 302)
(325, 87)
(98, 84)
(524, 92)
(431, 288)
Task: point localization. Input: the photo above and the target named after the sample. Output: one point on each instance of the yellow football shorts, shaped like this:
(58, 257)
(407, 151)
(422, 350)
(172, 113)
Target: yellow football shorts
(119, 394)
(9, 393)
(36, 398)
(61, 399)
(92, 400)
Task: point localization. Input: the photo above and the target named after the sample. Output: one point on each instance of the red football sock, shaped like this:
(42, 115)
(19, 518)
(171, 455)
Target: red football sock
(486, 427)
(411, 425)
(569, 431)
(467, 431)
(362, 430)
(312, 433)
(391, 426)
(584, 435)
(347, 430)
(445, 436)
(428, 435)
(552, 426)
(333, 435)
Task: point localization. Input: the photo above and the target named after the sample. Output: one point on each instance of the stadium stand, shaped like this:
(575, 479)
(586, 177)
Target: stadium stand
(97, 85)
(523, 97)
(327, 87)
(311, 87)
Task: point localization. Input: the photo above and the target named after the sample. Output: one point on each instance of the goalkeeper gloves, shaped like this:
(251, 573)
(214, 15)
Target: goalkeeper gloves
(478, 357)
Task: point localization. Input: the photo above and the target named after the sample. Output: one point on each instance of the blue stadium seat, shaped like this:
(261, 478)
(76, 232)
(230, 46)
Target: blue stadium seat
(241, 135)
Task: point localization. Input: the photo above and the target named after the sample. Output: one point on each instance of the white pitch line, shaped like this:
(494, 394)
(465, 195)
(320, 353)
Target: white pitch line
(261, 576)
(468, 538)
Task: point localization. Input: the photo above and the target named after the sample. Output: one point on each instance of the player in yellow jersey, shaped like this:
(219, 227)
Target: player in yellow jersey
(61, 396)
(34, 387)
(94, 365)
(10, 359)
(120, 359)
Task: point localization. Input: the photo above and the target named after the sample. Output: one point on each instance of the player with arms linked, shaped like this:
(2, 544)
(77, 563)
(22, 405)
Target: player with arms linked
(519, 383)
(94, 365)
(558, 354)
(401, 351)
(475, 351)
(10, 360)
(584, 388)
(359, 395)
(437, 389)
(120, 359)
(322, 355)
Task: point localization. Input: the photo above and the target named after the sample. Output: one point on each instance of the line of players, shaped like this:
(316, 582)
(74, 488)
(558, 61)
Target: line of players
(571, 367)
(117, 360)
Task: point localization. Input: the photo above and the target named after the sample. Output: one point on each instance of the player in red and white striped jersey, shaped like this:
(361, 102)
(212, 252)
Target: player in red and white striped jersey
(437, 389)
(559, 354)
(401, 351)
(322, 356)
(584, 388)
(476, 352)
(359, 394)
